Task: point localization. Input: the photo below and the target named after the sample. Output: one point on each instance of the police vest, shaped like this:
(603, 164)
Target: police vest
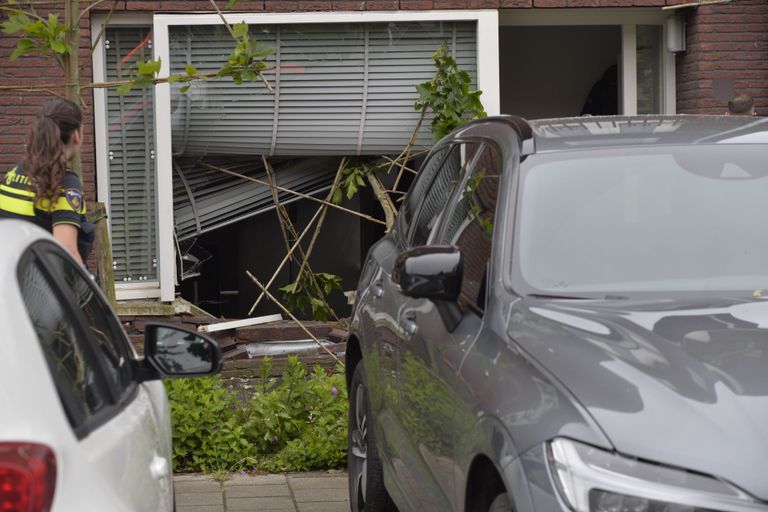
(17, 200)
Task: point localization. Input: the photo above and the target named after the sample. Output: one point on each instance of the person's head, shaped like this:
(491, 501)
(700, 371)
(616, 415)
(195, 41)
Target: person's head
(54, 138)
(741, 105)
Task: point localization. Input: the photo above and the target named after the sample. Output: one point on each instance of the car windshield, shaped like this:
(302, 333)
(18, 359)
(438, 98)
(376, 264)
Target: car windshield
(644, 219)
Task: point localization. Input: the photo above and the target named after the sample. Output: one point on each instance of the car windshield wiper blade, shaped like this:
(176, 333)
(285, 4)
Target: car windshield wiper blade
(555, 296)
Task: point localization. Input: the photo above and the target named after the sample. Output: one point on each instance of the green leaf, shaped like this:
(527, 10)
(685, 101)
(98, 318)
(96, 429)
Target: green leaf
(337, 196)
(184, 88)
(23, 47)
(58, 47)
(240, 30)
(16, 22)
(231, 4)
(150, 67)
(124, 88)
(191, 70)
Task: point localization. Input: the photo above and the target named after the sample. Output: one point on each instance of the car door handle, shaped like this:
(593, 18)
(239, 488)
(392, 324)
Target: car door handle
(159, 468)
(378, 288)
(409, 323)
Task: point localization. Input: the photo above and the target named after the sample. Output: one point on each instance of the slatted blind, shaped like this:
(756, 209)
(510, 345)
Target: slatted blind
(205, 201)
(338, 88)
(130, 127)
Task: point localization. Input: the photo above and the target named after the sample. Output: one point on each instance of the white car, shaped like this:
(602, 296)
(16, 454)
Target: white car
(85, 422)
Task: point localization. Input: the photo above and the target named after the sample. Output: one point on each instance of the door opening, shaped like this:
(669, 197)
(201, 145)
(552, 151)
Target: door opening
(552, 71)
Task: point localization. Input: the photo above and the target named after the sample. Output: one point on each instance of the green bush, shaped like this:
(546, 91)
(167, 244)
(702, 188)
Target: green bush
(296, 423)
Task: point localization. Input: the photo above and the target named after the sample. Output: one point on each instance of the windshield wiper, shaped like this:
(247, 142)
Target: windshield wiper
(574, 297)
(553, 296)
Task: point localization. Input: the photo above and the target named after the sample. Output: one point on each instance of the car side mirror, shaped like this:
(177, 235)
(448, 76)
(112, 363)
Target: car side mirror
(429, 272)
(177, 352)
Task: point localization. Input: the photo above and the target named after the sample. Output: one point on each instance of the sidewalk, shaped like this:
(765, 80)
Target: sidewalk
(295, 492)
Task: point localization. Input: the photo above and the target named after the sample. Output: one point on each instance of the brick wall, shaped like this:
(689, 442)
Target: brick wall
(727, 42)
(18, 108)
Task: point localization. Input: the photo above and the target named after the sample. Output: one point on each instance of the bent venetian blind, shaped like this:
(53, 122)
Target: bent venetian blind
(338, 88)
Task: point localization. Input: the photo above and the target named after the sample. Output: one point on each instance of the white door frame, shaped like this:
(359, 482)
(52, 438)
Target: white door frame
(123, 290)
(627, 18)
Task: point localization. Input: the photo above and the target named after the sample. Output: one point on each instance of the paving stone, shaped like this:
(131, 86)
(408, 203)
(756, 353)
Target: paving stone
(324, 482)
(204, 508)
(199, 498)
(191, 477)
(239, 479)
(261, 504)
(336, 506)
(310, 495)
(257, 491)
(193, 486)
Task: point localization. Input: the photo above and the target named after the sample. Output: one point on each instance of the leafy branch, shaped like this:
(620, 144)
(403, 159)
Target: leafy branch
(448, 95)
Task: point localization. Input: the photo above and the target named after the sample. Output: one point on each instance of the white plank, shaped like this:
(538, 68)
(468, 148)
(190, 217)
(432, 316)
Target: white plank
(245, 322)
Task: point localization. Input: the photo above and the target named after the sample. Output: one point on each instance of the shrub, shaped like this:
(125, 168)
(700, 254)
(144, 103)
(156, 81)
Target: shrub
(296, 423)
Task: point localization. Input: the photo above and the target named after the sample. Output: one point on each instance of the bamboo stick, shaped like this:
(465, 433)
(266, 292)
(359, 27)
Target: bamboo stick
(285, 259)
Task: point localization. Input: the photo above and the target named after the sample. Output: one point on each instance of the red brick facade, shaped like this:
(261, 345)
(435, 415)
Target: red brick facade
(728, 41)
(724, 41)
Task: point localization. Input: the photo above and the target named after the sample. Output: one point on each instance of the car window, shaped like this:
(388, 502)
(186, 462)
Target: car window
(439, 190)
(423, 179)
(106, 332)
(75, 370)
(469, 225)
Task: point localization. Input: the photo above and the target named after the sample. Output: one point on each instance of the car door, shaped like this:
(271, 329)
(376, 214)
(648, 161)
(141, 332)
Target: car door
(437, 398)
(120, 456)
(425, 478)
(380, 304)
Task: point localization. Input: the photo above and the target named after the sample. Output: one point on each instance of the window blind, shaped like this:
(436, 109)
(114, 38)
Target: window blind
(339, 89)
(130, 127)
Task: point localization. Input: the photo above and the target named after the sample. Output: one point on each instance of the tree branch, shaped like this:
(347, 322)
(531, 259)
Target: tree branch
(102, 30)
(87, 9)
(390, 212)
(221, 15)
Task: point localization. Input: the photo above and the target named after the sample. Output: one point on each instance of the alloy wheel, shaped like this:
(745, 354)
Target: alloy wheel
(359, 441)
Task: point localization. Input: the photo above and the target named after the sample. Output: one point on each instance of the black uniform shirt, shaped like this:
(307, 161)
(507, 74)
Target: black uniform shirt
(17, 201)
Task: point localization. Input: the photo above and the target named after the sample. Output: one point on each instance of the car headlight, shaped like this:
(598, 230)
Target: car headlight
(594, 480)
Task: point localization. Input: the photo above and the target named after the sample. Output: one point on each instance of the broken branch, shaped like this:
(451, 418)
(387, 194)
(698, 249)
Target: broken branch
(390, 212)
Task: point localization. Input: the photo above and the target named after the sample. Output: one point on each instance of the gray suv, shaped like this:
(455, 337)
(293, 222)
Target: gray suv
(569, 314)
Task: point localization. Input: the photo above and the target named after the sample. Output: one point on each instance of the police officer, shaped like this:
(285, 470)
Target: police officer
(41, 189)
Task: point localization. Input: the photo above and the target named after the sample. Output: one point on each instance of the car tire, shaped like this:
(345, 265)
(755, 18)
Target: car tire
(366, 478)
(500, 503)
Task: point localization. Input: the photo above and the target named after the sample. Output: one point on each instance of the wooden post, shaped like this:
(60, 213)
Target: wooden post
(98, 215)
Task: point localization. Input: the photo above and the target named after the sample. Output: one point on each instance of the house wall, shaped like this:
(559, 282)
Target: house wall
(727, 54)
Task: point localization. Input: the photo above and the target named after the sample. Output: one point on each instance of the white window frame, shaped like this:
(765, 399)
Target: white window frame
(123, 290)
(628, 18)
(487, 81)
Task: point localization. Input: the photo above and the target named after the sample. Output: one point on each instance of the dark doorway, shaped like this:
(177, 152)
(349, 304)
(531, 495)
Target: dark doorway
(549, 71)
